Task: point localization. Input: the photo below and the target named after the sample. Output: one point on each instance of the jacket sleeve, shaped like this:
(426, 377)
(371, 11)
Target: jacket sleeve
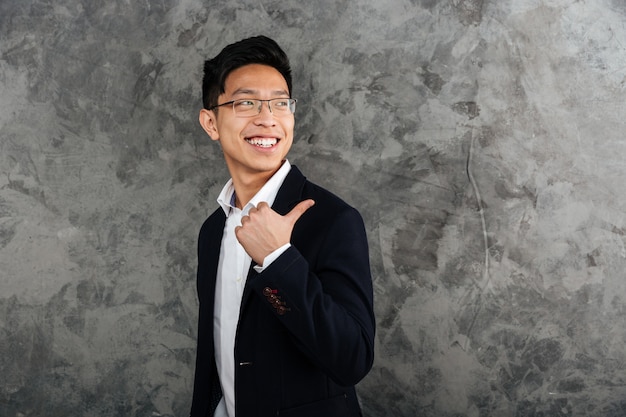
(321, 290)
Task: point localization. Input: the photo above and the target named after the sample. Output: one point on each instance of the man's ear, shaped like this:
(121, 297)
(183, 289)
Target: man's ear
(207, 121)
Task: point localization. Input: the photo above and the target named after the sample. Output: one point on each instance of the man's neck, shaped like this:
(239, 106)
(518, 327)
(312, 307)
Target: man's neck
(247, 186)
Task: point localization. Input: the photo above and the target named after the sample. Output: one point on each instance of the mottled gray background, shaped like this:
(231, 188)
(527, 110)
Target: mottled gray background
(482, 140)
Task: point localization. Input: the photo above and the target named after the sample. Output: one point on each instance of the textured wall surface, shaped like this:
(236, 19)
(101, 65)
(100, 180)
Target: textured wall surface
(482, 140)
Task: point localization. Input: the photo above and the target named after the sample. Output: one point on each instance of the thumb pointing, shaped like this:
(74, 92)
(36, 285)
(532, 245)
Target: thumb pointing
(299, 210)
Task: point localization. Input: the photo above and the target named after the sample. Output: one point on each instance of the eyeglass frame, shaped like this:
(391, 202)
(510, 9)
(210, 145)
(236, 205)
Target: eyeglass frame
(269, 106)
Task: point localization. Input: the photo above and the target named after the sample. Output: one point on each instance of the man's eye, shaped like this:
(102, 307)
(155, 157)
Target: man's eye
(244, 103)
(281, 103)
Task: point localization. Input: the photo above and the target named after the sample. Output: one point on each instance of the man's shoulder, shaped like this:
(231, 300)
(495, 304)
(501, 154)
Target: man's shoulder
(315, 191)
(323, 195)
(328, 205)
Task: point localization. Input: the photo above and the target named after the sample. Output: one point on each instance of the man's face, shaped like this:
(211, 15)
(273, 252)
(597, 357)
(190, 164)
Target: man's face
(257, 144)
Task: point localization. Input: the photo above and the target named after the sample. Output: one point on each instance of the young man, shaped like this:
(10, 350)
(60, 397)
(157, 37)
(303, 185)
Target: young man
(286, 323)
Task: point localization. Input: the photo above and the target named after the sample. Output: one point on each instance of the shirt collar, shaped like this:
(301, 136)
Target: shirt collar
(267, 193)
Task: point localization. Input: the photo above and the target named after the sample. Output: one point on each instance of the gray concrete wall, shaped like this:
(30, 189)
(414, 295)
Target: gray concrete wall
(482, 140)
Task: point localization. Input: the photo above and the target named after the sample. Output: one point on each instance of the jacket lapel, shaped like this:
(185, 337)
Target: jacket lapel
(290, 192)
(211, 251)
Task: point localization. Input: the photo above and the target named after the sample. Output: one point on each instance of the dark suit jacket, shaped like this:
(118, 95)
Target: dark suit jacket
(306, 326)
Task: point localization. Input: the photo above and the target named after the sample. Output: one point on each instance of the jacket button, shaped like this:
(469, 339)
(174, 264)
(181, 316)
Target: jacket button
(267, 291)
(281, 310)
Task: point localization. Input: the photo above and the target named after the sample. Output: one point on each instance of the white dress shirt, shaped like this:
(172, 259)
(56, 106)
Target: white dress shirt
(232, 271)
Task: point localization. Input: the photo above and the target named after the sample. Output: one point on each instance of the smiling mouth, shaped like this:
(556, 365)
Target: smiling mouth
(262, 142)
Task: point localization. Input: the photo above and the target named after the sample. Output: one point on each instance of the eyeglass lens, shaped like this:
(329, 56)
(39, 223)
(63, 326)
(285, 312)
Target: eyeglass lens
(252, 107)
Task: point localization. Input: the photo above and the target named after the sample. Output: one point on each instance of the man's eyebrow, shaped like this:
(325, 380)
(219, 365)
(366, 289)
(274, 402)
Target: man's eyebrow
(248, 91)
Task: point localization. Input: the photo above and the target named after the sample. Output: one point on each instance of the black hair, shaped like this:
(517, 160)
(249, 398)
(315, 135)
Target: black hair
(255, 50)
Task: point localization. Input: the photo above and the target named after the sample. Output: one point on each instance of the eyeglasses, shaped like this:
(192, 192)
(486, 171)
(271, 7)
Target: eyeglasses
(248, 107)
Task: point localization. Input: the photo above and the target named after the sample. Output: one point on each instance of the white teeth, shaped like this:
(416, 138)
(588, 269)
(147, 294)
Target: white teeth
(263, 142)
